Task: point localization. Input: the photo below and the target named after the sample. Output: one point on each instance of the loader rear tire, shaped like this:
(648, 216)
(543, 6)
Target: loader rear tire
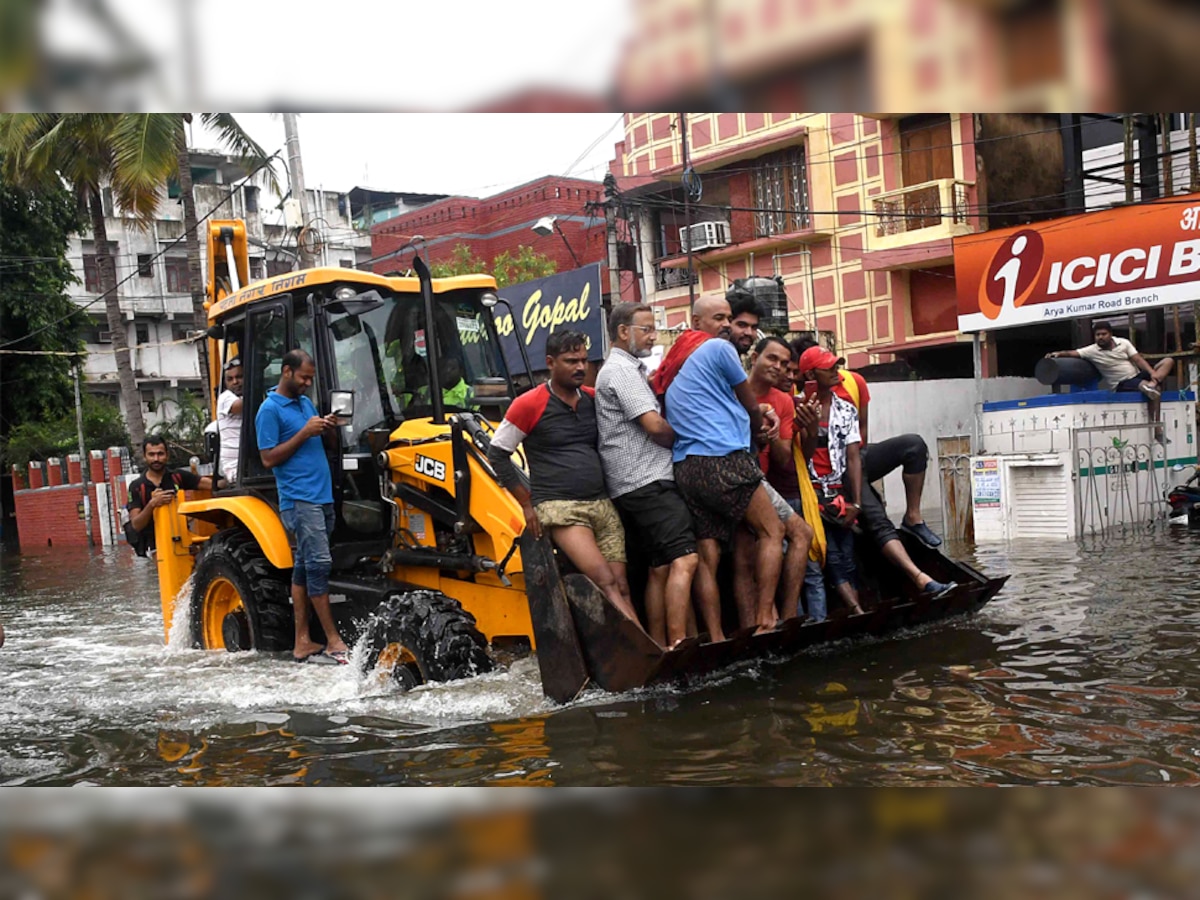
(239, 600)
(422, 636)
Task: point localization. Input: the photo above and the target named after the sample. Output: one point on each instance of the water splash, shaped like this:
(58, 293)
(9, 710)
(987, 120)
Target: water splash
(180, 636)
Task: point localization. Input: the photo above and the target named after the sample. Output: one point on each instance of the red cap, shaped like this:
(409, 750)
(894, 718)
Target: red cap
(817, 358)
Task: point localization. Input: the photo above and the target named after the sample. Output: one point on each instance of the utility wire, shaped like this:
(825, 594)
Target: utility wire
(266, 162)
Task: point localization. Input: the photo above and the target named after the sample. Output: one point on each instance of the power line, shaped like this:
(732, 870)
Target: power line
(266, 162)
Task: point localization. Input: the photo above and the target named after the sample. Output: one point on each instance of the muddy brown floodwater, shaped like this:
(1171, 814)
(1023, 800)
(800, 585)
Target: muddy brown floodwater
(1083, 671)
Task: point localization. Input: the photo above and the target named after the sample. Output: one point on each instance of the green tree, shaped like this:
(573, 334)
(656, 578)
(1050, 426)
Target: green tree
(507, 268)
(34, 276)
(57, 435)
(134, 154)
(526, 265)
(461, 262)
(183, 430)
(41, 150)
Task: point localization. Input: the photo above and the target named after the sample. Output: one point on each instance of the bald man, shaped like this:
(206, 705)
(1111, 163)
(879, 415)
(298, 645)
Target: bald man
(711, 317)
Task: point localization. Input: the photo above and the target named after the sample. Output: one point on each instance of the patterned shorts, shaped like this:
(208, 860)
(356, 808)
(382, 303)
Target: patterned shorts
(717, 490)
(598, 515)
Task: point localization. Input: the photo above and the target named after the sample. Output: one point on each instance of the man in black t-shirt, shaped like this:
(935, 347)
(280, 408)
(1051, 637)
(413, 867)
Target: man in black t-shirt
(155, 488)
(556, 422)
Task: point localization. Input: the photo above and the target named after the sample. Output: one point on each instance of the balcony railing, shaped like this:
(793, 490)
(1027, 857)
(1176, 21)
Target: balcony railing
(925, 205)
(665, 279)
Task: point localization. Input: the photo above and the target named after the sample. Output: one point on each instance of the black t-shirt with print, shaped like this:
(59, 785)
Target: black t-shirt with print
(142, 488)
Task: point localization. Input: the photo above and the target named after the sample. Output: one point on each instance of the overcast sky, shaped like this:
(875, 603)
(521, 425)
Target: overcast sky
(475, 154)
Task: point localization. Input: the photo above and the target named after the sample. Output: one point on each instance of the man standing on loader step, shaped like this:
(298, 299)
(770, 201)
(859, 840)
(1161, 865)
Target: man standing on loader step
(289, 442)
(556, 422)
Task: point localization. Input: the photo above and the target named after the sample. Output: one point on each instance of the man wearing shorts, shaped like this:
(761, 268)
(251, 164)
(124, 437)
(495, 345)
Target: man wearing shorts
(556, 422)
(714, 413)
(289, 442)
(768, 363)
(635, 450)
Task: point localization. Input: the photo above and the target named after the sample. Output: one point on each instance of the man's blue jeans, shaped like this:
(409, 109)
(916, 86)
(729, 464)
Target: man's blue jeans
(310, 525)
(814, 583)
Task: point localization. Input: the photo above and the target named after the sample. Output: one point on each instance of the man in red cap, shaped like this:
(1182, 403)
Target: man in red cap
(820, 366)
(907, 452)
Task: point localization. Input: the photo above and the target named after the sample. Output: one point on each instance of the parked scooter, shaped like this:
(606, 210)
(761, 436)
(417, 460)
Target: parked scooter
(1184, 500)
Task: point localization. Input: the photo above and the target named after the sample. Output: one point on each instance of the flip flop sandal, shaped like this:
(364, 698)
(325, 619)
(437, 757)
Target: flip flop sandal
(337, 657)
(309, 658)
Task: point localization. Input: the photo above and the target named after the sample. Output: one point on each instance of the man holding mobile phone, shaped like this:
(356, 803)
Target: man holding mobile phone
(156, 487)
(289, 442)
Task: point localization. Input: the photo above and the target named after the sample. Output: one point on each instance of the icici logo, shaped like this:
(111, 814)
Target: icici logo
(1012, 273)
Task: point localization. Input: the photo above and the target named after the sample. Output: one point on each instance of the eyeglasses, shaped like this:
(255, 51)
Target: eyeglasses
(651, 328)
(235, 363)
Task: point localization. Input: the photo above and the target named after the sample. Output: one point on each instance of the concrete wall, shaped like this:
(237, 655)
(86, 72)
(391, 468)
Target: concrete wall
(933, 409)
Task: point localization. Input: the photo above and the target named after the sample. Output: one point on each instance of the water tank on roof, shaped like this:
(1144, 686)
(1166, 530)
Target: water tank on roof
(770, 295)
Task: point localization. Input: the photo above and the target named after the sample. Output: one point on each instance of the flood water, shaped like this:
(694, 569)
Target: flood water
(1083, 671)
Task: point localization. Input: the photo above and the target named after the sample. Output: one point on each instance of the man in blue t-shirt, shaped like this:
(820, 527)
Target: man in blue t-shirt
(289, 441)
(716, 419)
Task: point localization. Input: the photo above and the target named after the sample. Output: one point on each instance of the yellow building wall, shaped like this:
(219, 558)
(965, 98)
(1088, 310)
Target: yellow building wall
(851, 161)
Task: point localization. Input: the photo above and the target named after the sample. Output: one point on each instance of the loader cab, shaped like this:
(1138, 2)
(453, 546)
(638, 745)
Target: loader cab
(371, 345)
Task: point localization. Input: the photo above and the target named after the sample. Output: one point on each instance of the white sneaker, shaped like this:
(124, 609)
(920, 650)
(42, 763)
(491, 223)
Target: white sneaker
(1149, 390)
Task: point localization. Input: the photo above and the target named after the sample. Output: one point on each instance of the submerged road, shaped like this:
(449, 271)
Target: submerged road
(1083, 671)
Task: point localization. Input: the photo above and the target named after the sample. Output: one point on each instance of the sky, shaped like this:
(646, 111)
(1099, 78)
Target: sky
(473, 154)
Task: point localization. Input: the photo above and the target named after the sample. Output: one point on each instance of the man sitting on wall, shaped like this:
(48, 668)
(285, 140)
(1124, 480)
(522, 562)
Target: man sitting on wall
(1121, 367)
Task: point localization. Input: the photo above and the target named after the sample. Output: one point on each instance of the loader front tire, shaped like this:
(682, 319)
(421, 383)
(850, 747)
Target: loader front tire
(239, 600)
(423, 636)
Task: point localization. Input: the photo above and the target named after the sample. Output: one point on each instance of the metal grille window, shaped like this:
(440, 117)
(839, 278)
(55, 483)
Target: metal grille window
(91, 274)
(781, 193)
(177, 275)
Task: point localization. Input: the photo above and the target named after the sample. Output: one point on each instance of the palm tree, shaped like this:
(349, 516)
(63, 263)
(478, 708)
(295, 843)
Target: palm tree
(41, 149)
(134, 153)
(149, 142)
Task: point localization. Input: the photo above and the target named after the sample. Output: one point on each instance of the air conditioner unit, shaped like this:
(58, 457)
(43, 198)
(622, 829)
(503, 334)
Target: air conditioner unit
(660, 317)
(105, 337)
(704, 236)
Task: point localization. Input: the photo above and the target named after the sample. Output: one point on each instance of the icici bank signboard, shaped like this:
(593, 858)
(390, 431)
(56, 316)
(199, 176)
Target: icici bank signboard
(1102, 263)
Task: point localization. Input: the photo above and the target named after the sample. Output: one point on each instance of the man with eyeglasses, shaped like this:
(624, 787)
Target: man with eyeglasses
(635, 450)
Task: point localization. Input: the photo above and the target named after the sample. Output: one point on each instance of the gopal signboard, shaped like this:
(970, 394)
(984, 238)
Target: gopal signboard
(567, 301)
(1102, 263)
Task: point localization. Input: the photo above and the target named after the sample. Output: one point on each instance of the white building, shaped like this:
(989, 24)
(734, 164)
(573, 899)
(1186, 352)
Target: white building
(151, 269)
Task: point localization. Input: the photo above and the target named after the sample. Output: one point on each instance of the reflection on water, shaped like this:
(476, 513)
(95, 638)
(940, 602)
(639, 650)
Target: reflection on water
(1082, 671)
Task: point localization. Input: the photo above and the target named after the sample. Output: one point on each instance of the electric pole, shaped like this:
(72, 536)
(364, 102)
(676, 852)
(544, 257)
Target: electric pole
(687, 207)
(296, 177)
(85, 459)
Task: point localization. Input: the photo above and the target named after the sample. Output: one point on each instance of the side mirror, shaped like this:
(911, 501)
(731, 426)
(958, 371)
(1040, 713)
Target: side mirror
(346, 327)
(341, 404)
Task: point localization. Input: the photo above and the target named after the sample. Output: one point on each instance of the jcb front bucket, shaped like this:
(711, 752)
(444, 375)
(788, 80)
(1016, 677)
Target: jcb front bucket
(582, 636)
(560, 658)
(620, 656)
